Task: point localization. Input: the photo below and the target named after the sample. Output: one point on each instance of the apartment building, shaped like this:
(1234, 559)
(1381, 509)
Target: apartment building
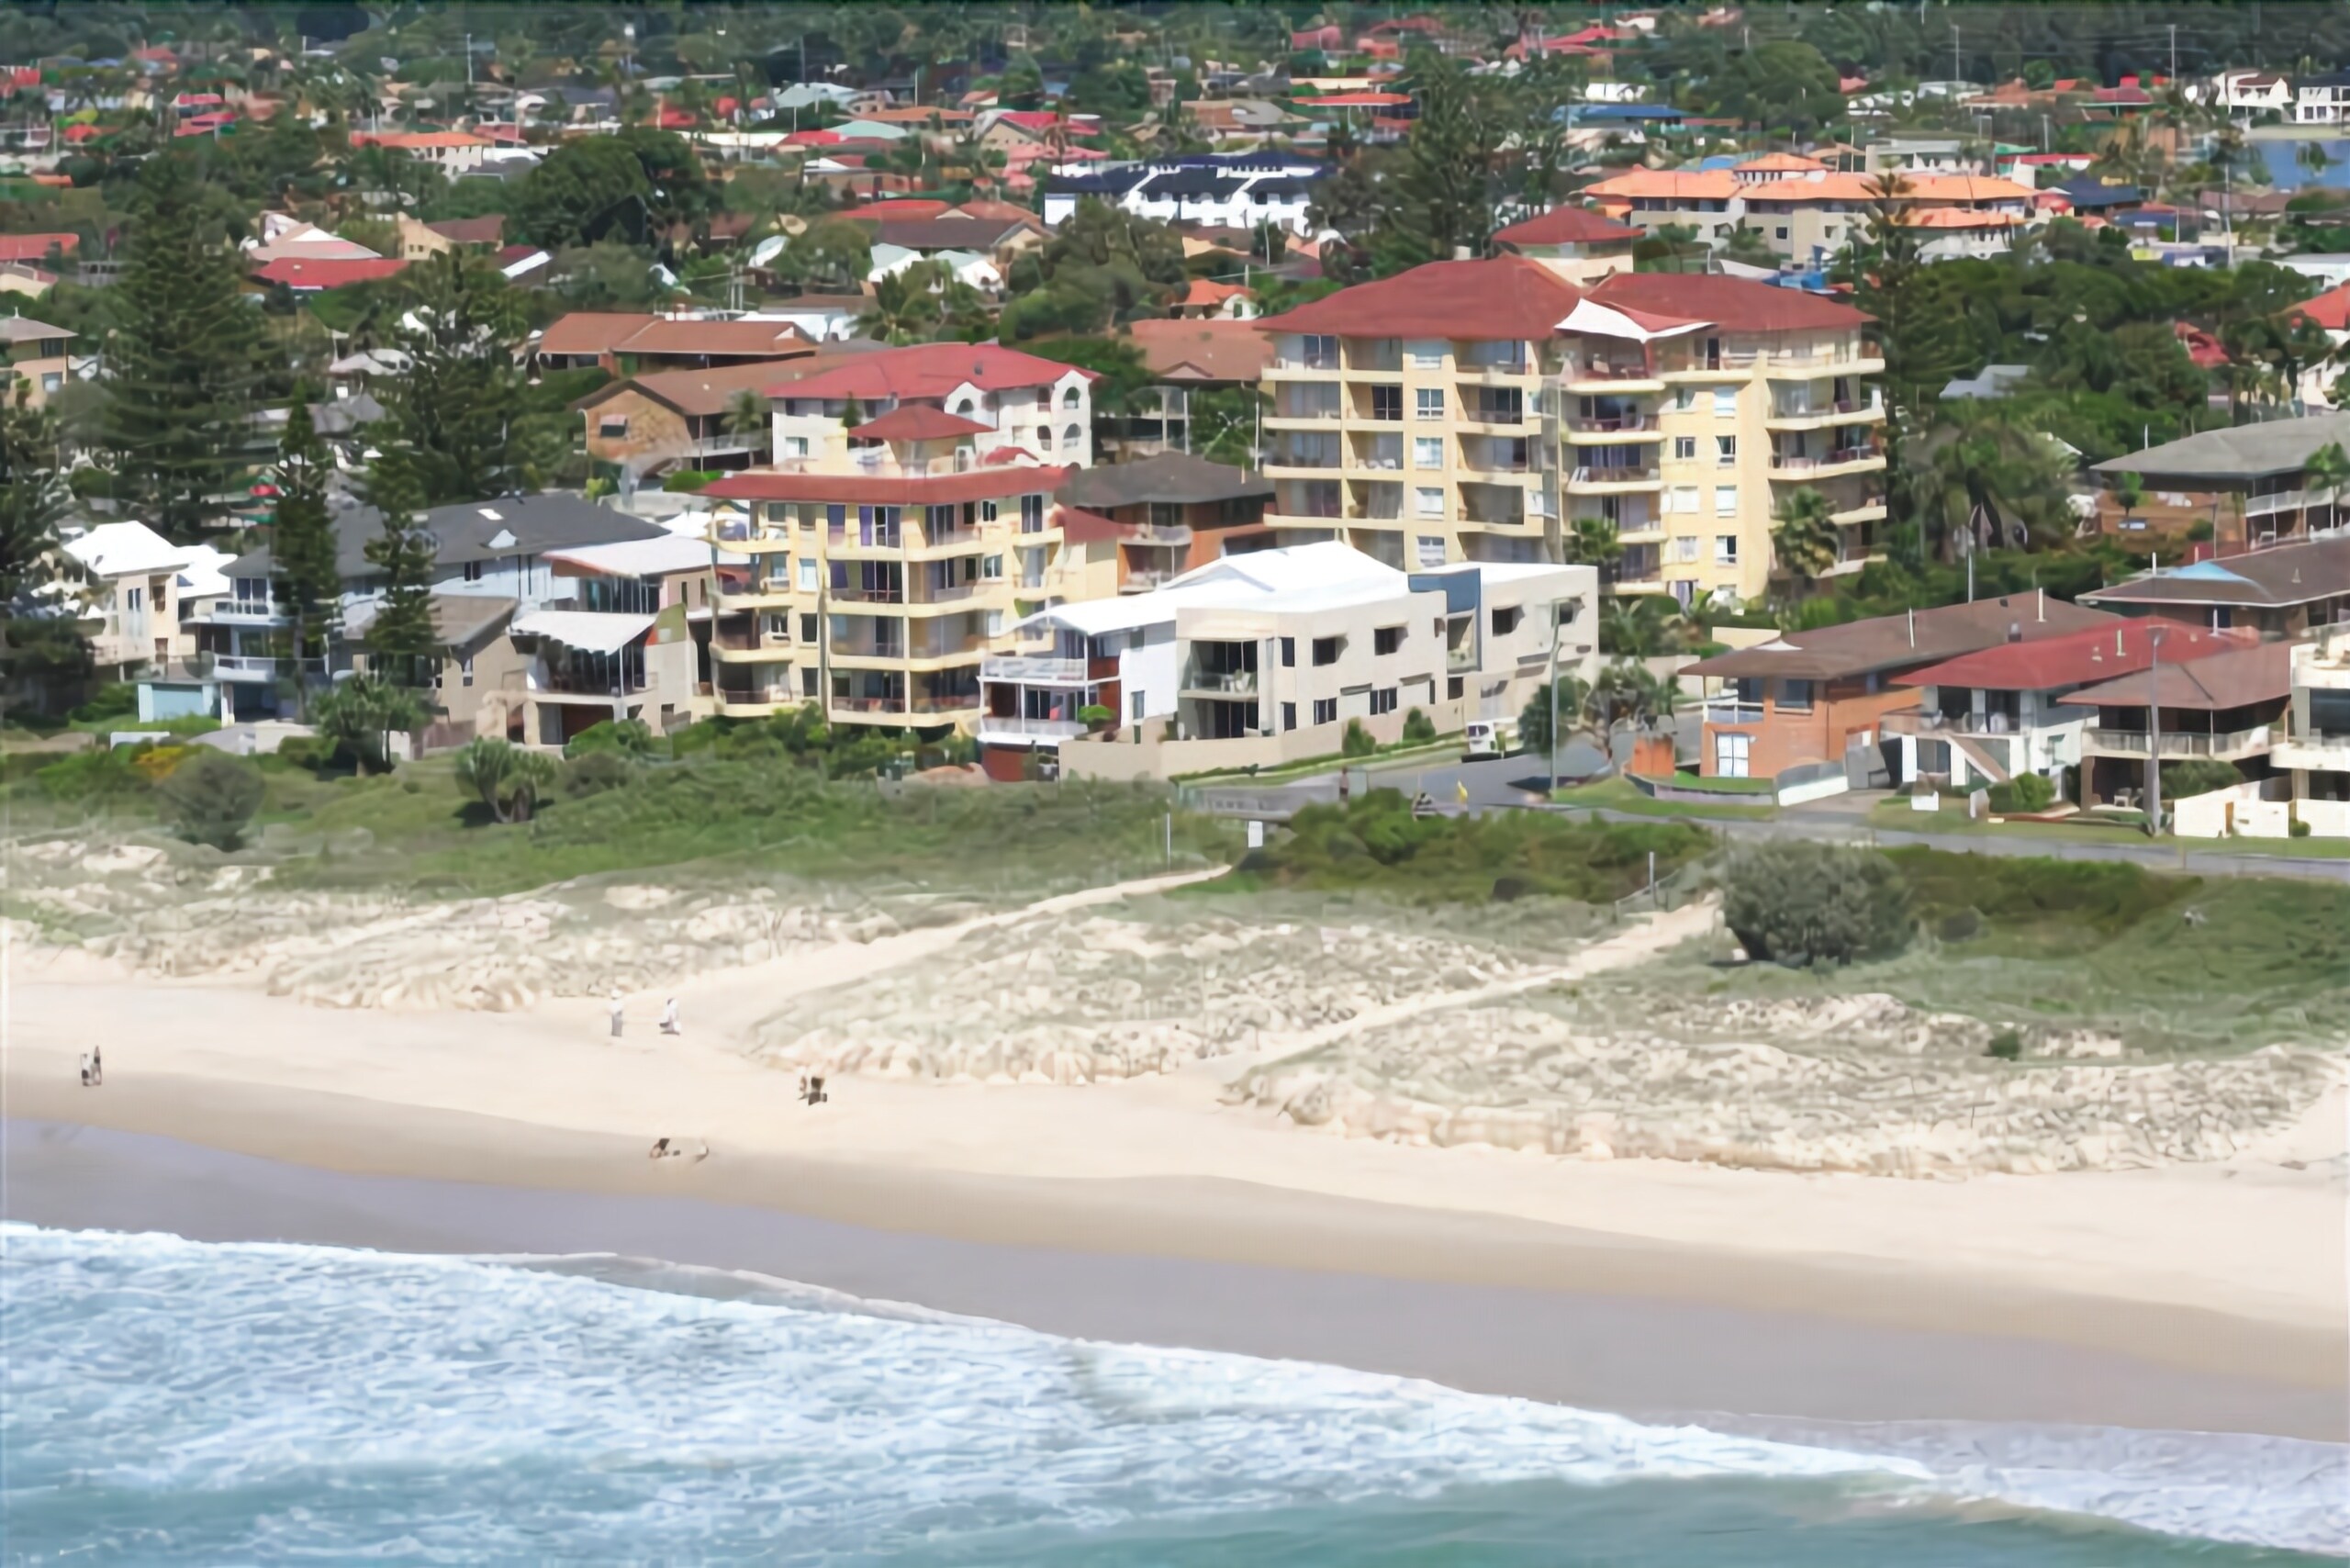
(1477, 410)
(872, 584)
(131, 582)
(2315, 748)
(2249, 482)
(616, 642)
(1016, 403)
(1807, 212)
(2322, 100)
(1580, 245)
(1270, 657)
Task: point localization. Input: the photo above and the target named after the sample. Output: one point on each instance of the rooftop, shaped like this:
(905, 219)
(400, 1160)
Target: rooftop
(2076, 658)
(1901, 641)
(2287, 575)
(987, 483)
(1505, 297)
(2237, 454)
(1567, 226)
(931, 370)
(486, 530)
(1737, 305)
(2233, 678)
(918, 421)
(1176, 477)
(1177, 350)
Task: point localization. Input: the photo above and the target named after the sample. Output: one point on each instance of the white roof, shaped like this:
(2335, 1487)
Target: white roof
(639, 557)
(119, 549)
(588, 630)
(205, 573)
(1301, 577)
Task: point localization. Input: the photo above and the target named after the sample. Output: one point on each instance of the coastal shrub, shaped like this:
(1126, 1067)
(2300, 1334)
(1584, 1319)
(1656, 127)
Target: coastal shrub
(2024, 792)
(1418, 728)
(360, 714)
(1815, 903)
(212, 798)
(2032, 904)
(510, 779)
(629, 737)
(2198, 776)
(96, 776)
(1094, 713)
(596, 772)
(2007, 1045)
(158, 762)
(689, 481)
(117, 699)
(1356, 742)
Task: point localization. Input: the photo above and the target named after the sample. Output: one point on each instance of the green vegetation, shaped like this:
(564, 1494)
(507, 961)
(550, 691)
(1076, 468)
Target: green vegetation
(1374, 843)
(508, 779)
(2025, 792)
(212, 798)
(1622, 795)
(1802, 903)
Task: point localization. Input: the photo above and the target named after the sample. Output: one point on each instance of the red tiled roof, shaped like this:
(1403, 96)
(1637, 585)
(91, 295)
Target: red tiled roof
(415, 140)
(918, 421)
(1506, 297)
(303, 273)
(34, 247)
(1205, 291)
(930, 370)
(729, 339)
(1734, 304)
(592, 331)
(2099, 654)
(1081, 527)
(2330, 310)
(1357, 100)
(937, 489)
(1565, 226)
(1214, 350)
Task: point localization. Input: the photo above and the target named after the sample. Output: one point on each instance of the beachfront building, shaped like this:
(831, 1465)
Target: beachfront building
(2232, 705)
(130, 583)
(869, 582)
(2315, 748)
(1168, 514)
(1834, 694)
(2248, 483)
(616, 642)
(1270, 657)
(1479, 410)
(2281, 592)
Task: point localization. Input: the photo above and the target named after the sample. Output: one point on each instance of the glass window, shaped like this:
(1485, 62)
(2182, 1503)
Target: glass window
(1731, 752)
(1725, 500)
(1686, 547)
(1427, 402)
(1725, 449)
(1325, 650)
(807, 573)
(1288, 652)
(1725, 549)
(1068, 398)
(1289, 715)
(1683, 398)
(1387, 639)
(1684, 448)
(1682, 497)
(1428, 501)
(1325, 709)
(1387, 402)
(1432, 551)
(1428, 451)
(991, 567)
(987, 511)
(1428, 354)
(1032, 514)
(1725, 402)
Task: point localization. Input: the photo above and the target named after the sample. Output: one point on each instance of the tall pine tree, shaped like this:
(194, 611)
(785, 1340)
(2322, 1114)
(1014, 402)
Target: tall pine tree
(45, 660)
(1440, 197)
(301, 541)
(184, 359)
(401, 639)
(461, 408)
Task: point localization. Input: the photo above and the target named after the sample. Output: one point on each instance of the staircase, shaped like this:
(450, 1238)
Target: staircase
(1981, 756)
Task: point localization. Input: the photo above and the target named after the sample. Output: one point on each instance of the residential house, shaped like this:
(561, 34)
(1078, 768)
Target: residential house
(1677, 410)
(620, 642)
(689, 418)
(630, 344)
(131, 581)
(2322, 100)
(873, 586)
(41, 359)
(819, 317)
(2286, 592)
(1024, 403)
(2247, 482)
(1221, 190)
(1827, 695)
(1580, 245)
(1270, 657)
(1205, 299)
(1990, 715)
(49, 251)
(457, 152)
(2248, 93)
(2230, 705)
(2315, 750)
(967, 267)
(24, 281)
(420, 241)
(1169, 513)
(999, 240)
(1185, 359)
(285, 238)
(1709, 201)
(303, 276)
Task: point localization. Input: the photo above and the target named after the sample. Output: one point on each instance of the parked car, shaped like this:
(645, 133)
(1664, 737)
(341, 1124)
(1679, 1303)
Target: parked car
(1487, 737)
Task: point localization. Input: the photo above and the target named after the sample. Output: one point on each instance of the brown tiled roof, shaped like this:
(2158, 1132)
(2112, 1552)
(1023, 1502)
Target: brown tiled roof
(2237, 678)
(489, 229)
(1901, 641)
(951, 232)
(591, 331)
(2287, 575)
(1177, 477)
(1202, 351)
(695, 392)
(1566, 226)
(730, 340)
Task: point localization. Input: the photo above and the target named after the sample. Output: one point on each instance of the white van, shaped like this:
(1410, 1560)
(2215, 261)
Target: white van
(1486, 737)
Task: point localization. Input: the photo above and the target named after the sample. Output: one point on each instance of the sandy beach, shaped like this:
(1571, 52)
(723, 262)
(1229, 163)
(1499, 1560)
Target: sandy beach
(2207, 1296)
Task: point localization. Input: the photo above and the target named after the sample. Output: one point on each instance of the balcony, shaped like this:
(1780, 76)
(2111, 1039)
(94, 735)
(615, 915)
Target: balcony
(1146, 580)
(1460, 660)
(2226, 745)
(1603, 430)
(1033, 669)
(1828, 464)
(1869, 509)
(239, 612)
(1812, 364)
(1313, 457)
(1613, 481)
(869, 704)
(1278, 417)
(1496, 372)
(944, 706)
(1815, 416)
(1018, 727)
(1307, 363)
(1602, 376)
(868, 595)
(1221, 683)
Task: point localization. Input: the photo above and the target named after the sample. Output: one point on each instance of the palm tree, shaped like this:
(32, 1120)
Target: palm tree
(508, 779)
(903, 310)
(2328, 469)
(1642, 626)
(1804, 543)
(1994, 478)
(1593, 542)
(747, 414)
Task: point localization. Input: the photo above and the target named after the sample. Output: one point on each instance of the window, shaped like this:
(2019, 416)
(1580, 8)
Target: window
(1135, 705)
(1043, 399)
(808, 680)
(51, 380)
(1289, 716)
(613, 429)
(1795, 694)
(1681, 498)
(987, 511)
(1428, 451)
(1686, 547)
(1431, 547)
(1780, 232)
(1684, 448)
(1325, 709)
(778, 514)
(1382, 700)
(1387, 402)
(836, 520)
(1428, 501)
(1725, 402)
(795, 446)
(1730, 752)
(1325, 651)
(1725, 500)
(1725, 451)
(1427, 402)
(807, 629)
(1032, 514)
(807, 573)
(991, 567)
(1045, 437)
(471, 571)
(1071, 437)
(1288, 652)
(1068, 398)
(1684, 400)
(964, 407)
(995, 622)
(1725, 549)
(1453, 687)
(132, 599)
(1506, 619)
(1386, 639)
(780, 628)
(1427, 354)
(465, 669)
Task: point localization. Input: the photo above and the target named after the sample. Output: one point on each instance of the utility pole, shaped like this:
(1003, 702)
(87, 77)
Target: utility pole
(1955, 73)
(2174, 54)
(2154, 734)
(1554, 696)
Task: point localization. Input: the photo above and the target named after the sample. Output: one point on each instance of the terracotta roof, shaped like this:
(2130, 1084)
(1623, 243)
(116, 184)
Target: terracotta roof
(2330, 310)
(1828, 185)
(730, 340)
(1782, 163)
(937, 489)
(1671, 185)
(2077, 658)
(1506, 297)
(711, 391)
(2235, 678)
(1201, 351)
(417, 141)
(591, 331)
(931, 370)
(899, 211)
(1737, 305)
(918, 421)
(1566, 226)
(1902, 641)
(322, 272)
(35, 247)
(1963, 187)
(488, 229)
(1205, 291)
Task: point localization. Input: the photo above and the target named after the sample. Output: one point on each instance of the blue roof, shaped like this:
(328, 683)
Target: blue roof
(1627, 111)
(1721, 161)
(2087, 192)
(2207, 572)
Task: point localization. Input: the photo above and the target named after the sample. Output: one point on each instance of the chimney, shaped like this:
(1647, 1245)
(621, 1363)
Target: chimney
(1463, 253)
(1913, 625)
(2118, 650)
(2043, 605)
(2015, 631)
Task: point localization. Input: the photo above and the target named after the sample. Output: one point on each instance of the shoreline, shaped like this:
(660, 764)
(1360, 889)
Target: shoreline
(1490, 1304)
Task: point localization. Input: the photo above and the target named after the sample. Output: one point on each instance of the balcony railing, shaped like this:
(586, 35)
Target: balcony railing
(1329, 361)
(854, 650)
(1232, 682)
(1296, 459)
(1040, 669)
(1781, 463)
(868, 595)
(242, 611)
(946, 704)
(870, 704)
(1627, 475)
(1331, 412)
(2181, 742)
(1733, 712)
(1598, 371)
(1017, 724)
(1613, 424)
(946, 595)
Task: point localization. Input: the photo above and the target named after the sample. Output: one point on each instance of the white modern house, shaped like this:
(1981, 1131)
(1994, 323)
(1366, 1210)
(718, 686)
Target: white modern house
(2322, 100)
(132, 582)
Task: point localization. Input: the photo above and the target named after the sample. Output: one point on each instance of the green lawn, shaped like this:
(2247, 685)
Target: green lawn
(1621, 795)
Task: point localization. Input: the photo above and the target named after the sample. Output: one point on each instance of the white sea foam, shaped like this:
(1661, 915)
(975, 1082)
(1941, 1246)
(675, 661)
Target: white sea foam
(529, 1402)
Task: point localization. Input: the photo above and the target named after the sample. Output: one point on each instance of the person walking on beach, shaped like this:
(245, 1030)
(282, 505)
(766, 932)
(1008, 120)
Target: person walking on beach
(616, 1013)
(670, 1025)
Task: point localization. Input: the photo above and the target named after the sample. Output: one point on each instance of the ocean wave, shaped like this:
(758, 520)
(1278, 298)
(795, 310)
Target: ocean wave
(486, 1407)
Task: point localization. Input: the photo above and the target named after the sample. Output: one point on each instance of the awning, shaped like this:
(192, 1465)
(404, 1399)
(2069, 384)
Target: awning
(587, 630)
(1642, 327)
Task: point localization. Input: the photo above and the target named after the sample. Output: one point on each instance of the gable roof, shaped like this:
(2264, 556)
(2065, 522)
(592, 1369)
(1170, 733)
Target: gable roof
(1504, 298)
(2330, 310)
(1734, 303)
(989, 481)
(728, 340)
(918, 421)
(1170, 477)
(708, 391)
(1566, 226)
(1177, 350)
(488, 229)
(929, 370)
(2092, 654)
(469, 531)
(311, 274)
(2236, 453)
(25, 330)
(119, 549)
(2284, 576)
(1901, 641)
(952, 232)
(591, 331)
(37, 247)
(1669, 184)
(2233, 678)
